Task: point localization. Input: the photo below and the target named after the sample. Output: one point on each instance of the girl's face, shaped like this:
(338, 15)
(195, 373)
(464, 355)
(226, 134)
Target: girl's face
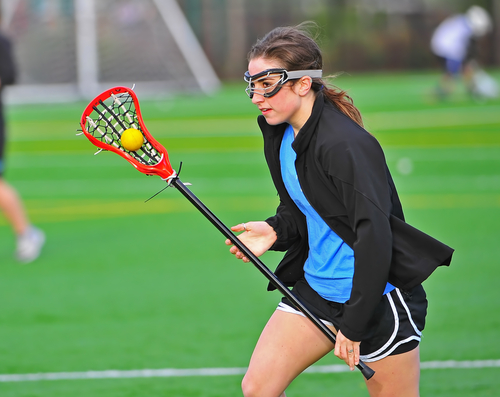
(283, 107)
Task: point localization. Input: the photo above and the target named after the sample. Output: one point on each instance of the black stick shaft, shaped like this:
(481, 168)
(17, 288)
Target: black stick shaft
(365, 370)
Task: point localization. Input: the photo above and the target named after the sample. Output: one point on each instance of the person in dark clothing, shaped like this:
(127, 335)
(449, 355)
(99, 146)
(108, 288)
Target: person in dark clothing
(349, 253)
(29, 239)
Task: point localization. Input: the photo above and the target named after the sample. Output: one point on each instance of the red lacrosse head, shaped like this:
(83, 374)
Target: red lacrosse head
(115, 111)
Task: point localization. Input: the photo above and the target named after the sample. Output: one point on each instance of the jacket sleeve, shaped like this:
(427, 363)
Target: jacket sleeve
(357, 169)
(7, 65)
(285, 226)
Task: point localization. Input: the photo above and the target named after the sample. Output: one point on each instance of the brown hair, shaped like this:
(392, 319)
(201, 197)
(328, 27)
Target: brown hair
(295, 49)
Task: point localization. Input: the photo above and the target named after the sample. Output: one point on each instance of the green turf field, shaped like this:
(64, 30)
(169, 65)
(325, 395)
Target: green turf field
(126, 285)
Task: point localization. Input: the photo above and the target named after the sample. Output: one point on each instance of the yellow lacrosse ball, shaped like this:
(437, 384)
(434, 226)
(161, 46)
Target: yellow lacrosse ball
(132, 139)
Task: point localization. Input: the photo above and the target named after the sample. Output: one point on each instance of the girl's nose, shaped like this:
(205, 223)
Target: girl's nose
(257, 98)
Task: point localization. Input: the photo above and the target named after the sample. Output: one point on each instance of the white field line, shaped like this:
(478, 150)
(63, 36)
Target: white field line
(169, 372)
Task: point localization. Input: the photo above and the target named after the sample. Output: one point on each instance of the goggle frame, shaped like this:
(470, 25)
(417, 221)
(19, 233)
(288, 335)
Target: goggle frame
(276, 87)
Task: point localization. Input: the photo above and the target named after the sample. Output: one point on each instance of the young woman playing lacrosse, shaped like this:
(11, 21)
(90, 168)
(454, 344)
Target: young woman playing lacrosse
(336, 220)
(30, 239)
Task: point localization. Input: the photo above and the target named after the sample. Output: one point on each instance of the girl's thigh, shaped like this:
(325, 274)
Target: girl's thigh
(397, 375)
(288, 345)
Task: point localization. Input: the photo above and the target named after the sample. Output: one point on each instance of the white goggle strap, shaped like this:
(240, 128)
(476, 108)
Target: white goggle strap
(297, 74)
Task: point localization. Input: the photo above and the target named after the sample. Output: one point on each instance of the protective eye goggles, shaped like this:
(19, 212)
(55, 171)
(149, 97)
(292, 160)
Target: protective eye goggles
(268, 82)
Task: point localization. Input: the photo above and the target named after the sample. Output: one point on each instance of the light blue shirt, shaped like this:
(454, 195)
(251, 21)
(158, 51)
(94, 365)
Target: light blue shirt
(329, 267)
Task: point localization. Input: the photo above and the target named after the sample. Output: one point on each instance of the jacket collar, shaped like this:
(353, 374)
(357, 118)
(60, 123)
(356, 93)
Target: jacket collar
(301, 142)
(306, 133)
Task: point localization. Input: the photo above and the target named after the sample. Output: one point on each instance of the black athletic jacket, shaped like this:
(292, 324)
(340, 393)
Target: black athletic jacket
(344, 176)
(7, 66)
(7, 76)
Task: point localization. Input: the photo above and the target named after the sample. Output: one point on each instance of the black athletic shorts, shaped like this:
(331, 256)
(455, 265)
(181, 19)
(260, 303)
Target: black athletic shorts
(395, 328)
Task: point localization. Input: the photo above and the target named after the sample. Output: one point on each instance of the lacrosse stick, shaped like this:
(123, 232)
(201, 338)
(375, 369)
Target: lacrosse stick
(116, 110)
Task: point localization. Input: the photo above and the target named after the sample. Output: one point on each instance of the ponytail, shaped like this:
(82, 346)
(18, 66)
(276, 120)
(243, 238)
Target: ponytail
(342, 101)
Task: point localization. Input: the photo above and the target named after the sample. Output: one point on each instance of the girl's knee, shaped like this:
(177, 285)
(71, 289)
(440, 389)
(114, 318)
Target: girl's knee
(259, 387)
(249, 387)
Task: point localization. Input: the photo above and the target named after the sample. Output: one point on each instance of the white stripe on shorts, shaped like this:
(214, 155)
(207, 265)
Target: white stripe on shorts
(289, 309)
(377, 355)
(408, 313)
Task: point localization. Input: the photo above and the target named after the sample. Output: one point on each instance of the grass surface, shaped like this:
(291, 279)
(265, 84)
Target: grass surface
(124, 284)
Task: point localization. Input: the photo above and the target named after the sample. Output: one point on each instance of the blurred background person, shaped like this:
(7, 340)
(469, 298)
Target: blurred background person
(30, 239)
(454, 42)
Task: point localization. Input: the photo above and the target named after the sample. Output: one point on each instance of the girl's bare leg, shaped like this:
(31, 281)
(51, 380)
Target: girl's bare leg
(396, 376)
(12, 207)
(288, 345)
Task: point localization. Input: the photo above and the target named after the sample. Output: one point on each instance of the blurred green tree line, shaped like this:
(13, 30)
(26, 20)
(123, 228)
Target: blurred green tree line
(355, 35)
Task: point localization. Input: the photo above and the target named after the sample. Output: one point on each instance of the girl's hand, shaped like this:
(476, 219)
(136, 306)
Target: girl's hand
(258, 237)
(347, 350)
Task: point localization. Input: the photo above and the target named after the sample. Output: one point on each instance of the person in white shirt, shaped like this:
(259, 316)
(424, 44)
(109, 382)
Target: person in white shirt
(453, 42)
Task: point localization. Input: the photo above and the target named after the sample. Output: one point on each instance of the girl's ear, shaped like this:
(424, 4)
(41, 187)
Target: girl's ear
(305, 84)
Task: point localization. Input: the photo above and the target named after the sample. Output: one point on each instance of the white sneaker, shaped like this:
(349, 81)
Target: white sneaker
(29, 245)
